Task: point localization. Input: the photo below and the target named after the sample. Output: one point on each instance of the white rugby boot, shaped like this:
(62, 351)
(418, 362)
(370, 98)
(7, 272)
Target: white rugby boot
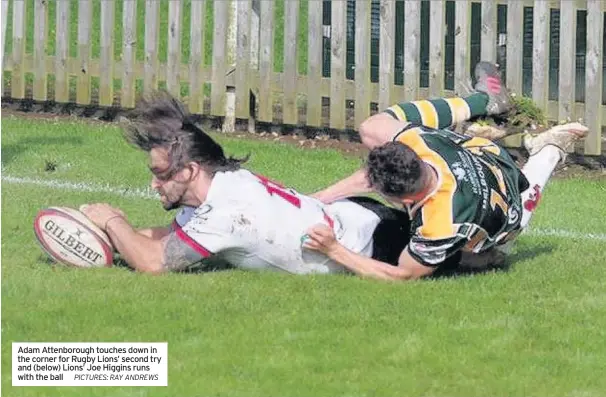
(561, 136)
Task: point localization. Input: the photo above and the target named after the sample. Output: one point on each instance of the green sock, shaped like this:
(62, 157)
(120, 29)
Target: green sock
(441, 113)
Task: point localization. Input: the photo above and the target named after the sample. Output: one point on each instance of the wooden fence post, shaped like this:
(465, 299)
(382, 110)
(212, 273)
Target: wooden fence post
(337, 64)
(314, 66)
(568, 55)
(540, 53)
(106, 61)
(62, 51)
(85, 16)
(593, 76)
(173, 62)
(387, 31)
(4, 19)
(290, 110)
(515, 47)
(129, 41)
(462, 50)
(152, 25)
(489, 31)
(436, 49)
(40, 36)
(18, 74)
(229, 122)
(363, 91)
(412, 33)
(243, 59)
(266, 62)
(196, 57)
(219, 63)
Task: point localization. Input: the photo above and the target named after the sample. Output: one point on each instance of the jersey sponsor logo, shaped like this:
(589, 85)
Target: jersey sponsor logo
(459, 171)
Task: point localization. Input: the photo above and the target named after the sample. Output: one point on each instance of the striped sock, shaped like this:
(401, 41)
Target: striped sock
(440, 113)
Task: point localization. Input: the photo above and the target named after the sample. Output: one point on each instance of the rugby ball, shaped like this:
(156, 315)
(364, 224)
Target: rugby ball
(69, 237)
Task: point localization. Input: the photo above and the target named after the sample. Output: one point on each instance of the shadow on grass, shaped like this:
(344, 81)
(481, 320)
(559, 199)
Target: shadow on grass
(217, 266)
(466, 272)
(521, 254)
(211, 267)
(11, 151)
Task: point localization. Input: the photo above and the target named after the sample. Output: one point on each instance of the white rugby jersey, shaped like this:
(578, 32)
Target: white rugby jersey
(254, 223)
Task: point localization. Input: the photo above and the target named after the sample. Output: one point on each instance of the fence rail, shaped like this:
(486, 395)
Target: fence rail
(107, 52)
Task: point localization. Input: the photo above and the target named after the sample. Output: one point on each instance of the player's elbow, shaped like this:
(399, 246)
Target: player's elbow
(379, 129)
(396, 273)
(368, 134)
(403, 275)
(410, 273)
(148, 265)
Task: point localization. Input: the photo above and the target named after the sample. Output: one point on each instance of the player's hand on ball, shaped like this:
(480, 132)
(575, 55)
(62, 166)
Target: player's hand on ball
(101, 213)
(321, 238)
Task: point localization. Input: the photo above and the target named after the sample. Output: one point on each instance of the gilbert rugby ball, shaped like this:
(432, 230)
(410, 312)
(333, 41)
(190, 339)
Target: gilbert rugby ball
(69, 237)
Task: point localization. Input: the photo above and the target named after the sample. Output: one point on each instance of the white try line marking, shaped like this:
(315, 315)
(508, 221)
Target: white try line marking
(149, 194)
(82, 187)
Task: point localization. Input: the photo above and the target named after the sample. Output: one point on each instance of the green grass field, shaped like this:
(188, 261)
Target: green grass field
(535, 330)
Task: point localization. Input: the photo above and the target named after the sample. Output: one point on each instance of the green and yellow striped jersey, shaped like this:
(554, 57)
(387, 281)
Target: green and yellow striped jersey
(477, 203)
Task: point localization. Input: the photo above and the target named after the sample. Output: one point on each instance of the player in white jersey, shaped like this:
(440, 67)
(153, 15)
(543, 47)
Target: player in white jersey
(230, 214)
(253, 223)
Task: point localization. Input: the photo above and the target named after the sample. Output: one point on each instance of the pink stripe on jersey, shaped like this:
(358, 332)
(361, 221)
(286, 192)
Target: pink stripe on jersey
(190, 241)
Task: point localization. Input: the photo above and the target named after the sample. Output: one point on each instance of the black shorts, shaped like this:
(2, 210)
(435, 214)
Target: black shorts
(392, 234)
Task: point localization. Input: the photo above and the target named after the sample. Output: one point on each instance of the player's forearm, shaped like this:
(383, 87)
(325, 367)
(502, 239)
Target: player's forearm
(368, 267)
(141, 252)
(155, 233)
(356, 183)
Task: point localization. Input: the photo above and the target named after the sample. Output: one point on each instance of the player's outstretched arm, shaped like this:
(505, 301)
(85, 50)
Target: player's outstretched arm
(153, 250)
(139, 251)
(322, 238)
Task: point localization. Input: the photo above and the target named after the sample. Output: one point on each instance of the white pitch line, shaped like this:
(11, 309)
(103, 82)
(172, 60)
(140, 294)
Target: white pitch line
(82, 187)
(565, 234)
(149, 194)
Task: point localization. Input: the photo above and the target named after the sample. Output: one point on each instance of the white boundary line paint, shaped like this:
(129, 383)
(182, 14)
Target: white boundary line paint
(149, 194)
(81, 187)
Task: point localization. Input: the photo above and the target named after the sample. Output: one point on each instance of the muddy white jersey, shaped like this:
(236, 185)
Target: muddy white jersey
(254, 223)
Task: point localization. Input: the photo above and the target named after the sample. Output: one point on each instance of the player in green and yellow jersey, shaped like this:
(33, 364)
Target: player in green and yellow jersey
(465, 195)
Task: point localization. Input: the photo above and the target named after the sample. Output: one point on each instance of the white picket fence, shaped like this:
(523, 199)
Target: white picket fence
(296, 96)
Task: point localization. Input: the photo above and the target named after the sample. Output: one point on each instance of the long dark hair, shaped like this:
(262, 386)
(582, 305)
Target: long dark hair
(160, 120)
